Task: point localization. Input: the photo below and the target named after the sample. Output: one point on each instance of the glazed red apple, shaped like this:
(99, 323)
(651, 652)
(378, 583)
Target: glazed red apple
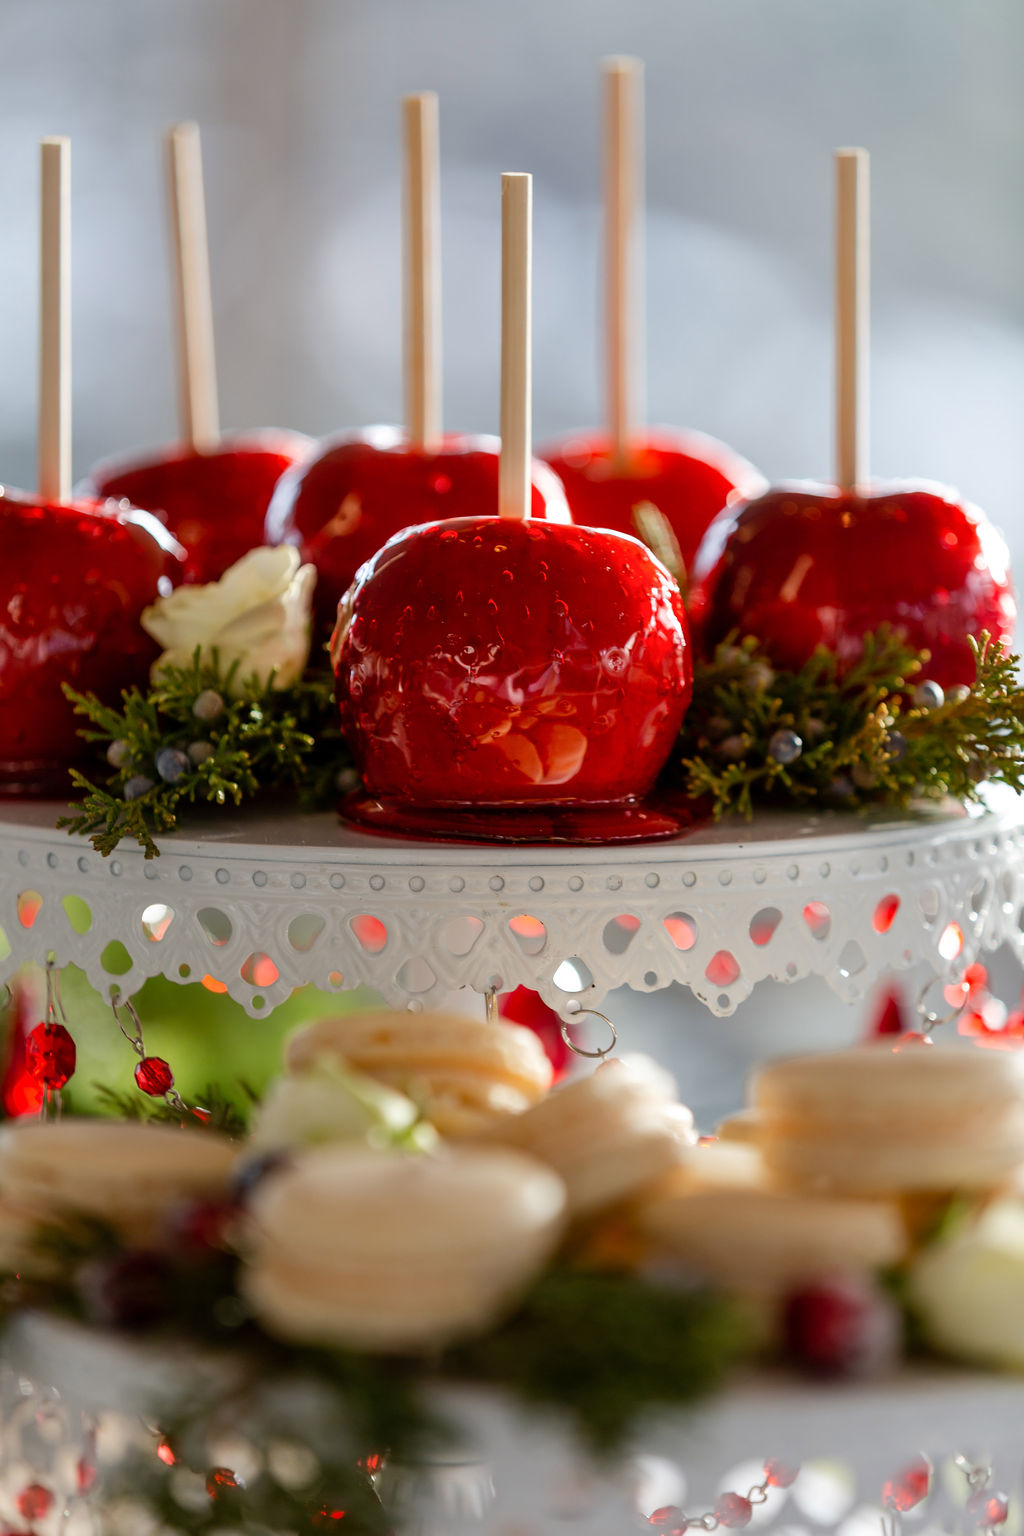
(492, 662)
(687, 476)
(214, 503)
(73, 581)
(341, 506)
(807, 565)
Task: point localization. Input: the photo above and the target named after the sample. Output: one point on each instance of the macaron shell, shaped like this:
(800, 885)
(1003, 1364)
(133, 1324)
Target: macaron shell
(871, 1120)
(426, 1044)
(762, 1242)
(125, 1172)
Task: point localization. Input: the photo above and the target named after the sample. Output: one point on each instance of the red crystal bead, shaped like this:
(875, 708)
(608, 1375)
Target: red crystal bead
(165, 1451)
(154, 1076)
(733, 1510)
(987, 1509)
(780, 1474)
(669, 1520)
(34, 1502)
(50, 1055)
(909, 1487)
(220, 1479)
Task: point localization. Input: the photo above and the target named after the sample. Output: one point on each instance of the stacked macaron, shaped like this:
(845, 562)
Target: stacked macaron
(838, 1163)
(127, 1174)
(395, 1253)
(461, 1072)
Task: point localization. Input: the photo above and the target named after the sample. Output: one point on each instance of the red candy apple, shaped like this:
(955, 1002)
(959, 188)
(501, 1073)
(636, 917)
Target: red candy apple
(493, 662)
(685, 476)
(341, 506)
(214, 502)
(74, 579)
(807, 565)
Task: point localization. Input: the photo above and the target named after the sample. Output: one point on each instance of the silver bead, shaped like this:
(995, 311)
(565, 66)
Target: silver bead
(958, 693)
(733, 747)
(209, 705)
(896, 745)
(137, 787)
(785, 747)
(118, 754)
(760, 676)
(929, 695)
(171, 763)
(199, 751)
(347, 780)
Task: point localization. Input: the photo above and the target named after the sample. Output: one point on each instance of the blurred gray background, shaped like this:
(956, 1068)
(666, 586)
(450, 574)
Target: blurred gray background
(298, 103)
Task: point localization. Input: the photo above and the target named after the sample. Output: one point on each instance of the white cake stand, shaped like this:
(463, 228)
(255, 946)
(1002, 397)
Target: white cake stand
(263, 903)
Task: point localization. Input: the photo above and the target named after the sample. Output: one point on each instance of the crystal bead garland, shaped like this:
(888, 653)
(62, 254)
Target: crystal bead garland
(50, 1052)
(153, 1075)
(732, 1511)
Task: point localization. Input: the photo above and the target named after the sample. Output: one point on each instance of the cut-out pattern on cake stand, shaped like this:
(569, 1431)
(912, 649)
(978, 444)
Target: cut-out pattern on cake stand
(257, 905)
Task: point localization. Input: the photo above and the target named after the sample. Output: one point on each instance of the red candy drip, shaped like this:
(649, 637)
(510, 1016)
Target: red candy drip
(214, 503)
(154, 1076)
(685, 476)
(808, 565)
(73, 581)
(733, 1510)
(488, 662)
(362, 488)
(51, 1055)
(910, 1487)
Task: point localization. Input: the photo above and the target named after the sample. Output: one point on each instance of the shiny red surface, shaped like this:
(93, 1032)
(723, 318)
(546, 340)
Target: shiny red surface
(215, 503)
(363, 487)
(488, 662)
(687, 476)
(73, 581)
(808, 565)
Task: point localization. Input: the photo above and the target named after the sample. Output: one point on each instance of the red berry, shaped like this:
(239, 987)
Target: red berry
(34, 1502)
(131, 1289)
(988, 1509)
(733, 1510)
(906, 1490)
(780, 1474)
(841, 1327)
(51, 1055)
(154, 1076)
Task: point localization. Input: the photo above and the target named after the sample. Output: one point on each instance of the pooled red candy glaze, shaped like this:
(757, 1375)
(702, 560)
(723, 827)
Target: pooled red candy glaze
(74, 580)
(686, 476)
(215, 503)
(491, 662)
(807, 565)
(340, 506)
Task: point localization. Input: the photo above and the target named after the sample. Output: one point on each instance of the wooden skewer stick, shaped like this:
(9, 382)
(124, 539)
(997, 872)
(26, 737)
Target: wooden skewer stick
(200, 417)
(623, 205)
(422, 272)
(852, 319)
(516, 262)
(55, 322)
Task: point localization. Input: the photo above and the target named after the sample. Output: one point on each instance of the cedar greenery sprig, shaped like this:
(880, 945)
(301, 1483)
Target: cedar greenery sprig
(865, 741)
(265, 739)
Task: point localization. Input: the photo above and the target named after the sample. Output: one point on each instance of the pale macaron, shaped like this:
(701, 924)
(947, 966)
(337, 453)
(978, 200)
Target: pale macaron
(742, 1126)
(761, 1242)
(461, 1072)
(126, 1173)
(872, 1120)
(395, 1253)
(608, 1135)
